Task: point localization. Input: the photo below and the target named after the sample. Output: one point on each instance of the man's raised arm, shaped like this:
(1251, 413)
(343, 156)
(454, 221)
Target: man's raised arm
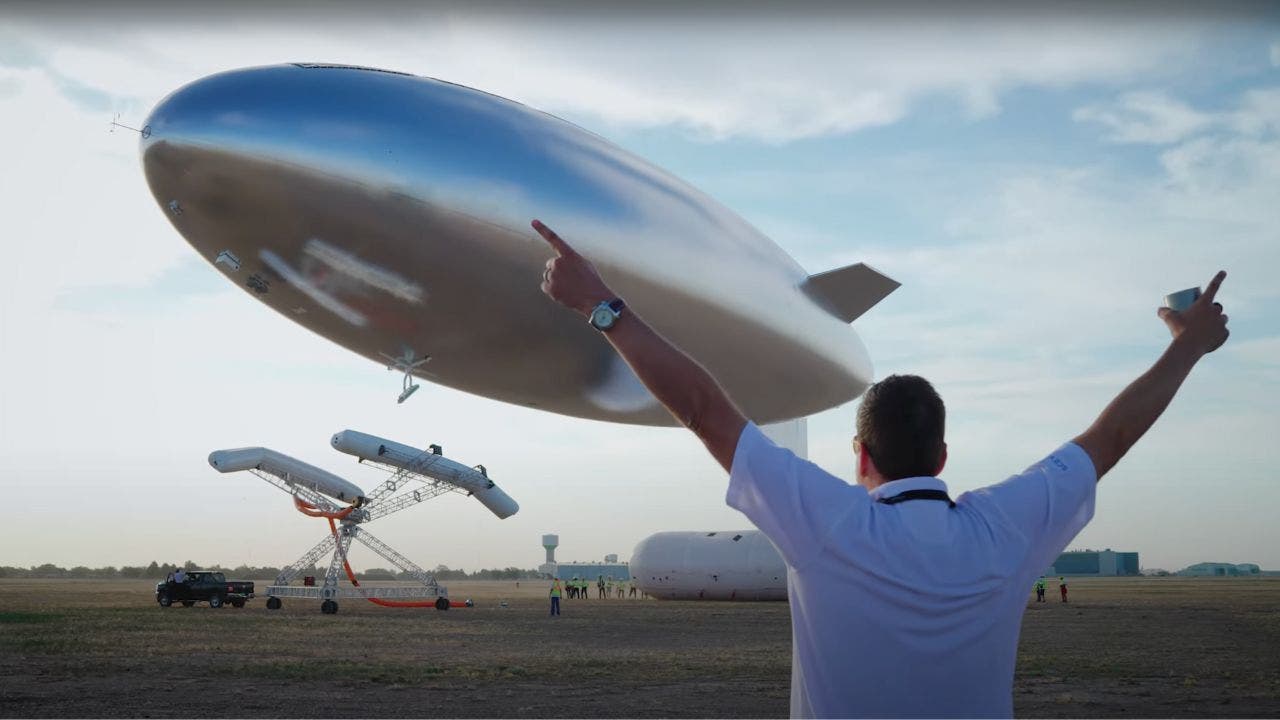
(1197, 331)
(674, 378)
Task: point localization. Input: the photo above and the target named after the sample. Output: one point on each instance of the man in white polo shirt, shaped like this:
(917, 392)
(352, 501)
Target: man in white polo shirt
(904, 603)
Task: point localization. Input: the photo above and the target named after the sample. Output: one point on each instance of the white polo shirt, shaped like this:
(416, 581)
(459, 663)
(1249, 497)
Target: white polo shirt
(911, 609)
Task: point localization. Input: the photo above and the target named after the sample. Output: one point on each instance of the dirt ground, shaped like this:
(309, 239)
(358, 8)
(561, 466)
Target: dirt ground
(1159, 647)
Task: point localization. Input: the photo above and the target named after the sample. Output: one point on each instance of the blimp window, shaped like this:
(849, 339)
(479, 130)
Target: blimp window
(736, 538)
(711, 534)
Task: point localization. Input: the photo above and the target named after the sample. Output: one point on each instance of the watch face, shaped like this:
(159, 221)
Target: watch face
(601, 318)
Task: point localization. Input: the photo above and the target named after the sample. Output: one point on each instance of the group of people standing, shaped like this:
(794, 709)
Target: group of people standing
(1062, 588)
(580, 588)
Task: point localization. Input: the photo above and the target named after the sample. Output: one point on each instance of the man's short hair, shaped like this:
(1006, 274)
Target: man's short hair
(901, 424)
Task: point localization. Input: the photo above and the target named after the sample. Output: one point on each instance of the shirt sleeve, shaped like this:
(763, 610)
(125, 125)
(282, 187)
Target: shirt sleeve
(792, 501)
(1049, 503)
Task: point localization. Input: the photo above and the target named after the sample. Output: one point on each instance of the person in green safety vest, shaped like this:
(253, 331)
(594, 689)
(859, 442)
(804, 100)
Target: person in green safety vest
(600, 586)
(1040, 589)
(632, 591)
(556, 590)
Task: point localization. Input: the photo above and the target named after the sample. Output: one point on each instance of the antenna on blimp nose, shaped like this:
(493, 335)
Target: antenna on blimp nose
(406, 364)
(145, 132)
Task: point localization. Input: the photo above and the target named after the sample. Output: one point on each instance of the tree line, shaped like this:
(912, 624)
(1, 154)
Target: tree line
(158, 571)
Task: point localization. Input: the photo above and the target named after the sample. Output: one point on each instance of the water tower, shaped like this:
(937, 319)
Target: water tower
(549, 543)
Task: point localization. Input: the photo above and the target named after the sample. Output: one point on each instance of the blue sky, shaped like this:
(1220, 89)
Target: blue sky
(1036, 182)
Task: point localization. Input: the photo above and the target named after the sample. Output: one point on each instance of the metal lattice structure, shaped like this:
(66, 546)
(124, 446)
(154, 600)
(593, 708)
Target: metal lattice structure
(402, 490)
(415, 477)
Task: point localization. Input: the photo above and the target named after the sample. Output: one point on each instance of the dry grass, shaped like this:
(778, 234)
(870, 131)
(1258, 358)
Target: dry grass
(1143, 647)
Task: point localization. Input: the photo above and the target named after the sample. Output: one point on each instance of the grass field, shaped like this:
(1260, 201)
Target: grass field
(1159, 647)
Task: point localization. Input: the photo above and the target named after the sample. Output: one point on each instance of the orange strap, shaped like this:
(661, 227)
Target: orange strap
(333, 528)
(310, 510)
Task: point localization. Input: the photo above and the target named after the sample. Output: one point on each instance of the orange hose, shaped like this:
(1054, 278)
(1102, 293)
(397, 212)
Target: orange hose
(333, 528)
(310, 510)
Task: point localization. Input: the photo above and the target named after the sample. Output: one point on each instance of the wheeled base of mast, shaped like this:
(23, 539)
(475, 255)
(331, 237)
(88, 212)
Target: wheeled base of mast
(425, 590)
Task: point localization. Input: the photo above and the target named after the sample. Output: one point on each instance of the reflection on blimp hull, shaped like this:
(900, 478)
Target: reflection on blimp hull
(390, 213)
(722, 565)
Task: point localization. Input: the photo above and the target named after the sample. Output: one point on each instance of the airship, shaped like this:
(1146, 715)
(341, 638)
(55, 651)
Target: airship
(390, 214)
(714, 565)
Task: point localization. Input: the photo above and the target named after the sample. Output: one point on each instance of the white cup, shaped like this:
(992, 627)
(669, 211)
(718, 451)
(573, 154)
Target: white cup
(1182, 299)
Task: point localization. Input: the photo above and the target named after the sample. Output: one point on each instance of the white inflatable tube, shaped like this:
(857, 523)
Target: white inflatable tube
(439, 467)
(291, 470)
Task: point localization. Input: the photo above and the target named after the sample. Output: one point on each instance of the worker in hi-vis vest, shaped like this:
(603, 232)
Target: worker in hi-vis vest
(556, 589)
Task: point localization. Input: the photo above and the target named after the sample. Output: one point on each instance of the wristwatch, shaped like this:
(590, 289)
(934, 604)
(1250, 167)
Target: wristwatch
(604, 315)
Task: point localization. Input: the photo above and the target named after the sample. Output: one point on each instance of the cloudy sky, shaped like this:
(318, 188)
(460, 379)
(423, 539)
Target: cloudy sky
(1037, 182)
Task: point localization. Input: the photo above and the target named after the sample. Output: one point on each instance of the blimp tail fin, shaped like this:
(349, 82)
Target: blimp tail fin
(848, 292)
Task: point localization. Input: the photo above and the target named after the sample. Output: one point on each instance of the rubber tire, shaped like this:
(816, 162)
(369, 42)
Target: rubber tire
(329, 607)
(442, 604)
(273, 603)
(215, 601)
(188, 603)
(237, 604)
(164, 599)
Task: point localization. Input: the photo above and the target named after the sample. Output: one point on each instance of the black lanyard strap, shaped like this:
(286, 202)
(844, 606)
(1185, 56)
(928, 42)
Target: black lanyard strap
(919, 495)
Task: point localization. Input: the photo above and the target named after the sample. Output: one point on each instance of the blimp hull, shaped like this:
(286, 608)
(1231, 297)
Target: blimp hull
(716, 565)
(390, 214)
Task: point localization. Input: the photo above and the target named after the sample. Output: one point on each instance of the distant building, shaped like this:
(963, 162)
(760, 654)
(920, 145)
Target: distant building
(610, 568)
(1100, 563)
(1214, 569)
(593, 571)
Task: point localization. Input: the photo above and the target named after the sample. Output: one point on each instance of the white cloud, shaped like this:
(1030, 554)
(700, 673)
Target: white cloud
(1146, 117)
(1259, 112)
(772, 78)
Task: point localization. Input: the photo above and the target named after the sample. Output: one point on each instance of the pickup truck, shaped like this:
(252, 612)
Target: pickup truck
(204, 586)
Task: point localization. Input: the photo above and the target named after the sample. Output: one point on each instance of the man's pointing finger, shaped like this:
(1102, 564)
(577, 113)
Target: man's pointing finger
(561, 247)
(1214, 284)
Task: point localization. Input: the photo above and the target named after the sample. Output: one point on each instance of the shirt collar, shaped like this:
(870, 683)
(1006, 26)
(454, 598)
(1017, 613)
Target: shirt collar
(897, 487)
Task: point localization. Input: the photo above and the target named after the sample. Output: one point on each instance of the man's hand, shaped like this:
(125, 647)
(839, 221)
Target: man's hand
(1200, 329)
(682, 385)
(571, 279)
(1203, 326)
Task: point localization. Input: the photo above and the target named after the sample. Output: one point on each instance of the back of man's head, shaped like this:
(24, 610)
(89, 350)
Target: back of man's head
(901, 424)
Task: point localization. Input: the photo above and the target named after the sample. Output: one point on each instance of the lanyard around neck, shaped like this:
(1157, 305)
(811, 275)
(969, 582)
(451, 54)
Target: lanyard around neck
(918, 495)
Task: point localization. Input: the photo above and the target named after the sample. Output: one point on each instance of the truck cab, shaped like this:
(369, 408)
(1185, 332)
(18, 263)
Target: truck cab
(204, 586)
